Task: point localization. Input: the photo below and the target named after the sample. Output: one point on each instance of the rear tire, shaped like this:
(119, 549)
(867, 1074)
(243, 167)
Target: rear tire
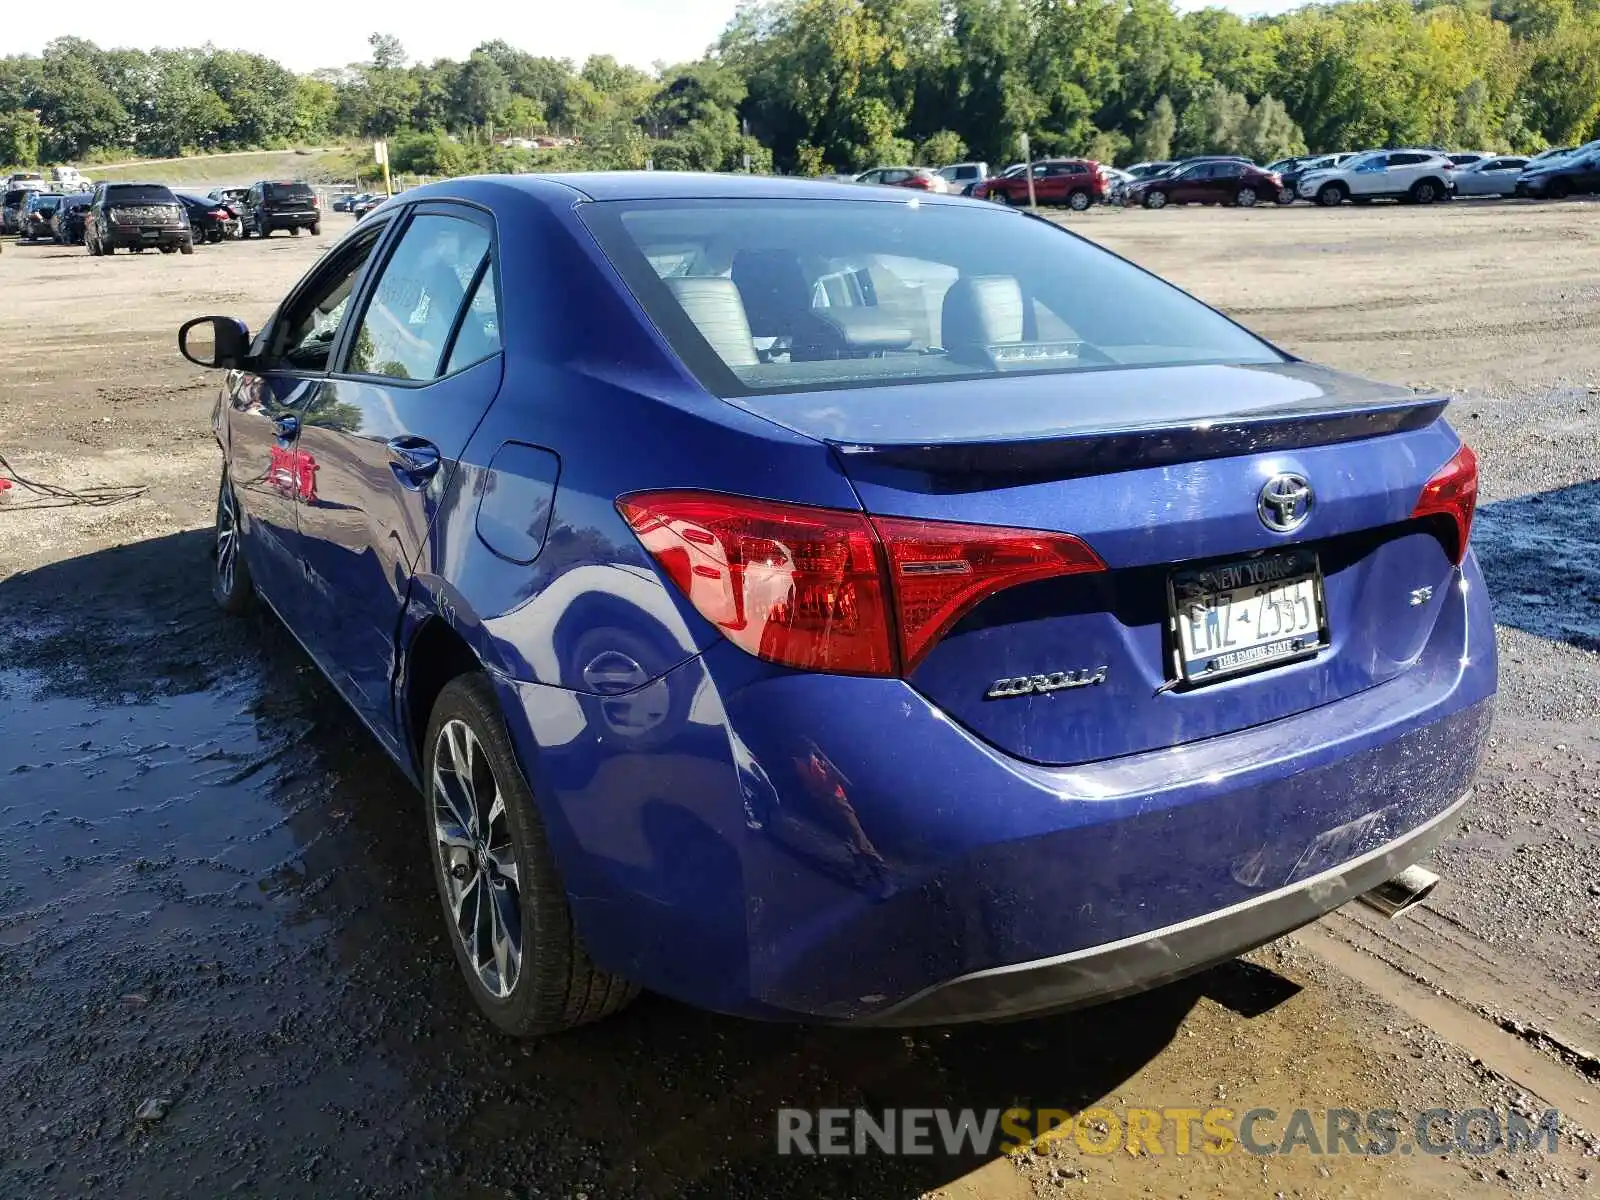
(1286, 195)
(1425, 191)
(294, 231)
(493, 823)
(1331, 195)
(1079, 201)
(316, 229)
(1246, 197)
(186, 247)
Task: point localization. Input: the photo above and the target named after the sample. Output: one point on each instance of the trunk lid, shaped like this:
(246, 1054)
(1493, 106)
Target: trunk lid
(1161, 471)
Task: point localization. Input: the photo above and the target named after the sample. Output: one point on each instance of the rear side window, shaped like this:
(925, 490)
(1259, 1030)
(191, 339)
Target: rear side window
(479, 335)
(287, 191)
(799, 295)
(414, 306)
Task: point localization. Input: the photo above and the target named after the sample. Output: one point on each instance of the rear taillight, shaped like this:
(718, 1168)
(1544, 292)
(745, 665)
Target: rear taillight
(1453, 493)
(940, 570)
(829, 590)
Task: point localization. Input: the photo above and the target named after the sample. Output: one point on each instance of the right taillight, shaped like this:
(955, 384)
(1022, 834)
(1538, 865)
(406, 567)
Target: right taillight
(826, 589)
(1453, 493)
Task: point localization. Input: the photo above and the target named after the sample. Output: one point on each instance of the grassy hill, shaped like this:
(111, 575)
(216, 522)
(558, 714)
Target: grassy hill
(235, 170)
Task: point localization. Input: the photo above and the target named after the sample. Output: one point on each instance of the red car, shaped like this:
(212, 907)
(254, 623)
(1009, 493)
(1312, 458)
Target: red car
(1214, 181)
(1075, 182)
(920, 178)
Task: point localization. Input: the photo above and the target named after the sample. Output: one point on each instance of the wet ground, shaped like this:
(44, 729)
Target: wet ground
(222, 968)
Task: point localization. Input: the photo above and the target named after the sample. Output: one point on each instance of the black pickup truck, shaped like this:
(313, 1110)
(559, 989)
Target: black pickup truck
(135, 216)
(268, 206)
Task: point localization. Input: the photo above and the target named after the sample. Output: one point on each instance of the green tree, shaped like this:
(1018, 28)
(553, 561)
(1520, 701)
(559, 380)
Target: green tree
(20, 137)
(940, 148)
(1213, 123)
(1268, 132)
(1153, 142)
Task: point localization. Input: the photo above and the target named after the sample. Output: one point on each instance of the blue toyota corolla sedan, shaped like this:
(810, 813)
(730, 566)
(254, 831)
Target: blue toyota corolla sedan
(826, 603)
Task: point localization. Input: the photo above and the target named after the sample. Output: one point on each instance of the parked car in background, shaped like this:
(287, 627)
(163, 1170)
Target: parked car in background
(1291, 178)
(211, 220)
(837, 708)
(1465, 158)
(135, 216)
(232, 197)
(1556, 178)
(347, 203)
(1145, 170)
(279, 204)
(69, 218)
(1492, 176)
(1415, 176)
(1552, 152)
(1117, 183)
(68, 180)
(1074, 182)
(918, 178)
(1221, 181)
(38, 220)
(12, 203)
(962, 176)
(373, 199)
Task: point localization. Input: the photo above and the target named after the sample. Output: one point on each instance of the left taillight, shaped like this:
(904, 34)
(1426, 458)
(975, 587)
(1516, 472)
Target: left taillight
(832, 590)
(1453, 493)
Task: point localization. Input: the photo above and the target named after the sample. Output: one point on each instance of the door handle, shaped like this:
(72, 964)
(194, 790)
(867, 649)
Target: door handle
(287, 426)
(413, 461)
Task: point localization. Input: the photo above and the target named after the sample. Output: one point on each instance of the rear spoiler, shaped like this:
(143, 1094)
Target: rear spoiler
(1077, 454)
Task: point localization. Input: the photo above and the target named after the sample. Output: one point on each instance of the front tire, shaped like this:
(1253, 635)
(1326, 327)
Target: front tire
(1331, 195)
(1155, 199)
(1558, 189)
(504, 904)
(230, 575)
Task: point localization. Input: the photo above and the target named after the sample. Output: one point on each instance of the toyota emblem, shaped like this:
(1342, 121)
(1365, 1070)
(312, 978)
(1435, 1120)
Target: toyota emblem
(1284, 503)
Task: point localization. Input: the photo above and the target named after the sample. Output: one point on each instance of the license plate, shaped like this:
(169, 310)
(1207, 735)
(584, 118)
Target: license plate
(1241, 616)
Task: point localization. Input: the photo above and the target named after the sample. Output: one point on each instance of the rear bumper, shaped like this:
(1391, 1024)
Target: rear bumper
(127, 237)
(299, 220)
(841, 850)
(1149, 960)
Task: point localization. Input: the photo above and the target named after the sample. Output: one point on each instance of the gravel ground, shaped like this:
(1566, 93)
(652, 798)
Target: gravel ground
(222, 970)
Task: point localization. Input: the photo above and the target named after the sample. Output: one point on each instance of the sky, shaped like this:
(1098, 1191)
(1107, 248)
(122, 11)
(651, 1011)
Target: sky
(640, 32)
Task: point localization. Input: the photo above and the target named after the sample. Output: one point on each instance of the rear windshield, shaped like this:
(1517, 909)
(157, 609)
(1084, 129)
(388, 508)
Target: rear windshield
(139, 193)
(287, 191)
(801, 295)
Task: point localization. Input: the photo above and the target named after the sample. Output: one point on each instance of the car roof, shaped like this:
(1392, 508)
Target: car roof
(671, 185)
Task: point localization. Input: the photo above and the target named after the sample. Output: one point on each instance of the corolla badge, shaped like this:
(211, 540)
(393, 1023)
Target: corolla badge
(1284, 503)
(1030, 685)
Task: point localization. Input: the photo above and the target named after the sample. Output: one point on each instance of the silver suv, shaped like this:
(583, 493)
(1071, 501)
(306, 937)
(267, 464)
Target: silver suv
(1419, 176)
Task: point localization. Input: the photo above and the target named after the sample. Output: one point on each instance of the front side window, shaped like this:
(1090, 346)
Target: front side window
(312, 324)
(798, 295)
(420, 293)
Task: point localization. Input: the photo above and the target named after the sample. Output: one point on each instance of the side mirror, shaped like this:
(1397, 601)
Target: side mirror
(222, 342)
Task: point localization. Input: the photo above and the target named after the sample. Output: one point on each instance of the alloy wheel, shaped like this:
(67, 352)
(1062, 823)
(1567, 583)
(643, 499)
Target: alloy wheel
(1078, 201)
(227, 548)
(1247, 197)
(472, 838)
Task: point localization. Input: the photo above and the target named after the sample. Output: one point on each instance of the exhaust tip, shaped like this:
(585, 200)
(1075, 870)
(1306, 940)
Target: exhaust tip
(1406, 890)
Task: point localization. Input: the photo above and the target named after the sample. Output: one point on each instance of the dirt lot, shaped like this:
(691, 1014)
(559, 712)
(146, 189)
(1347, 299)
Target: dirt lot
(214, 892)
